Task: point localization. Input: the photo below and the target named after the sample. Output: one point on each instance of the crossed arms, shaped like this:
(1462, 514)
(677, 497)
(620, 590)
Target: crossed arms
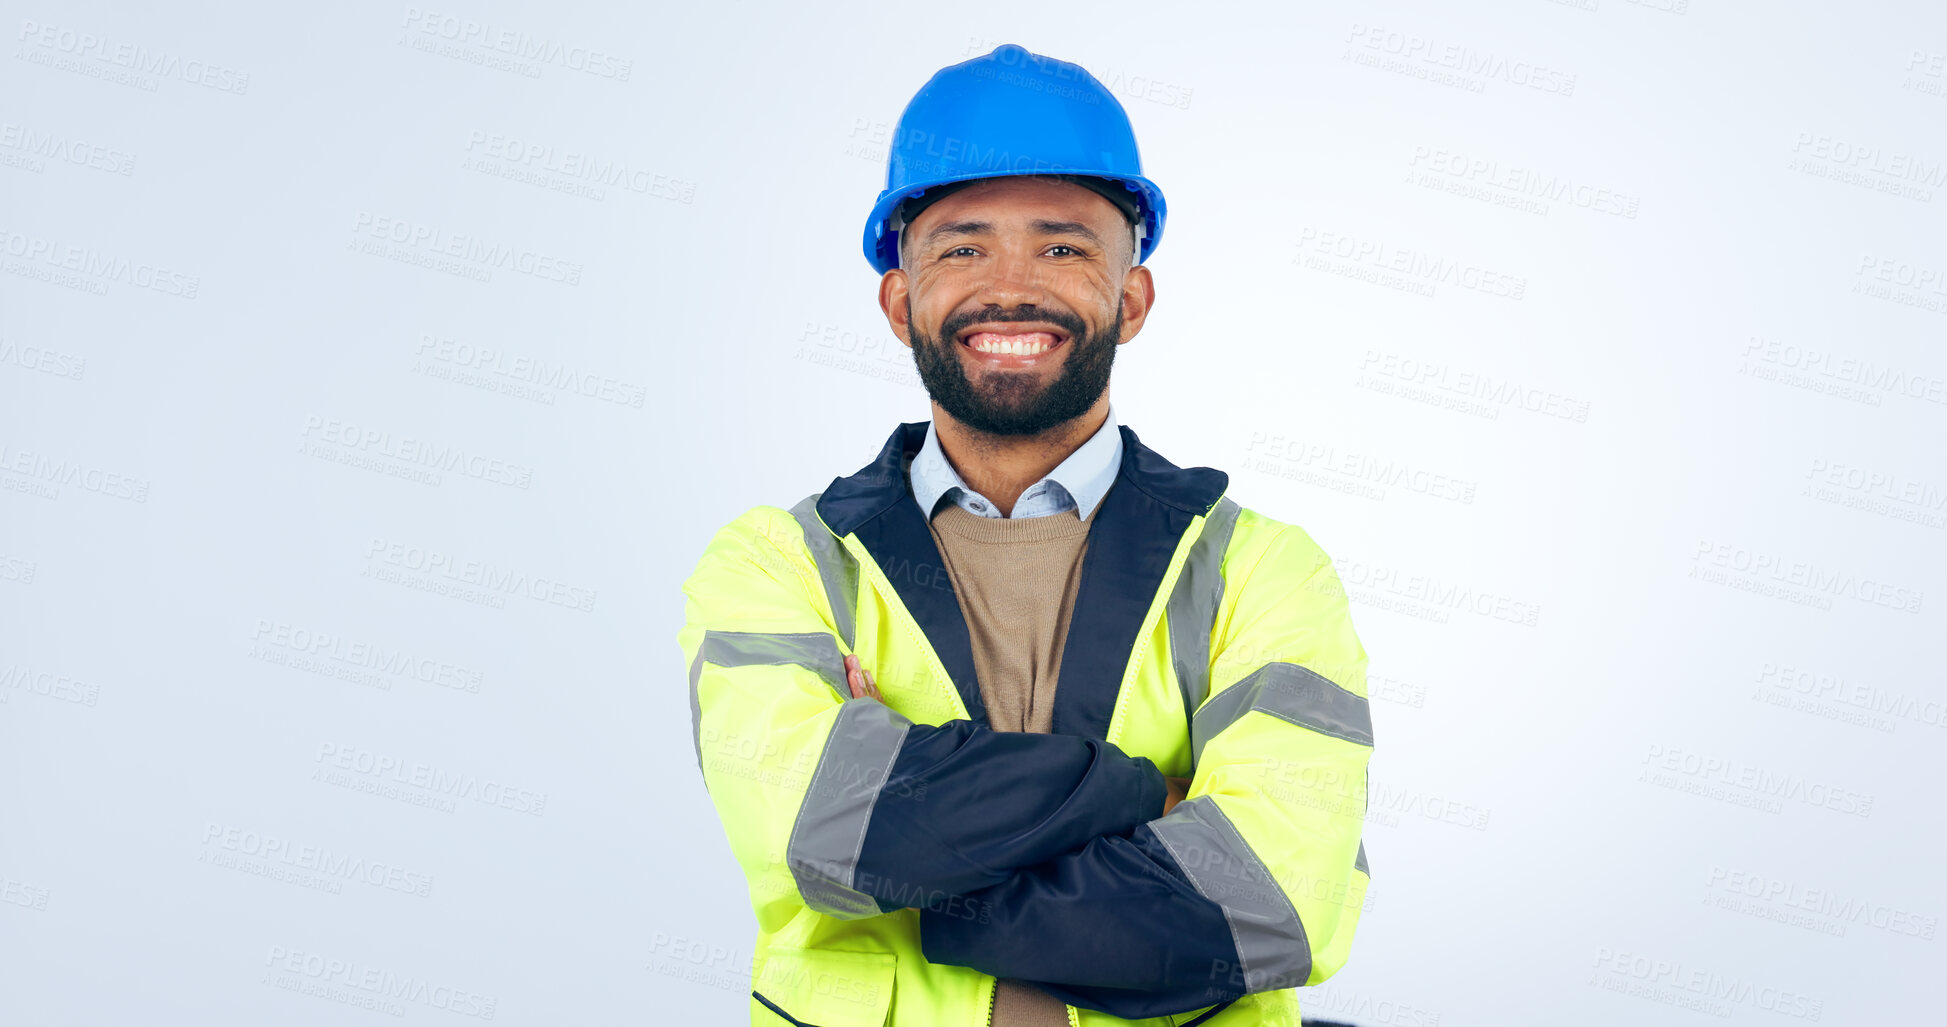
(1050, 858)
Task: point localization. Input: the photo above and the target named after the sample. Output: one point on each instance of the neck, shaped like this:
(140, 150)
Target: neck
(1001, 467)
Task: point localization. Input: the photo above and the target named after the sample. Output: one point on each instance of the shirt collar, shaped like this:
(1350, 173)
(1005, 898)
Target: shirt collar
(1086, 474)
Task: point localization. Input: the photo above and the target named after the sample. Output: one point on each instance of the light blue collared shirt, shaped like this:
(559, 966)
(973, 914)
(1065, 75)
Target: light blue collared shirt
(1077, 483)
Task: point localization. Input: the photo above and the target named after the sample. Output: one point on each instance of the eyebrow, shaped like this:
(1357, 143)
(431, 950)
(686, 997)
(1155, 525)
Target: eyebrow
(1066, 228)
(953, 228)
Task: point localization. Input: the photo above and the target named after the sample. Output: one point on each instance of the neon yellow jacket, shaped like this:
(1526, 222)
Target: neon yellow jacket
(903, 855)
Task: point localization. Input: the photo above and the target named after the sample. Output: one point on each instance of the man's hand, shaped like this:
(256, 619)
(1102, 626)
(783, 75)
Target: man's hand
(860, 679)
(1179, 789)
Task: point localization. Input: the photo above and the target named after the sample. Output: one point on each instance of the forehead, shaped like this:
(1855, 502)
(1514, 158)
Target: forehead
(1015, 200)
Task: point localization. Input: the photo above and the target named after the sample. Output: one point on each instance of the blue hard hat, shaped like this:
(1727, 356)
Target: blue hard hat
(1009, 112)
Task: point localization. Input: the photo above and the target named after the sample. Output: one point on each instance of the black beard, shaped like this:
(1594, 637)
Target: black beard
(1010, 404)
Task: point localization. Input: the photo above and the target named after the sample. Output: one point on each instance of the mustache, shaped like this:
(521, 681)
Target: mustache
(957, 323)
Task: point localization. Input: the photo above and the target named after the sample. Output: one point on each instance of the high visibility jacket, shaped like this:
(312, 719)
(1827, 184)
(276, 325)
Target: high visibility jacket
(902, 855)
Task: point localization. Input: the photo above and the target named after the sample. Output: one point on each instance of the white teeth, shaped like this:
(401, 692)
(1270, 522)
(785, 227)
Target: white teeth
(1015, 346)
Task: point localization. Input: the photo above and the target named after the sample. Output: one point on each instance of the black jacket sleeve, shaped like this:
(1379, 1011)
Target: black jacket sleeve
(964, 806)
(1115, 927)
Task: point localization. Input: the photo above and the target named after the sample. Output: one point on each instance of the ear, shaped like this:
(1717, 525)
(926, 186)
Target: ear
(893, 299)
(1138, 296)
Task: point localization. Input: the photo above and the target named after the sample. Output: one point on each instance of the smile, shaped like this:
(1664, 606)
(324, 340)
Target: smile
(1018, 345)
(1014, 341)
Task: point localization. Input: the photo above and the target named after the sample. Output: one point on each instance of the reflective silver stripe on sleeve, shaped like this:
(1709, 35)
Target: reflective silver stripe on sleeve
(696, 709)
(836, 566)
(1272, 949)
(830, 830)
(1193, 603)
(815, 651)
(1289, 692)
(1359, 861)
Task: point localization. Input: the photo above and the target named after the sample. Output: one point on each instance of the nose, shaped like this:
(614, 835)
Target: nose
(1015, 279)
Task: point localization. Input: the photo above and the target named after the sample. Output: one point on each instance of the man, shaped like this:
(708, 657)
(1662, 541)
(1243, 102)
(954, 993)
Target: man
(1022, 724)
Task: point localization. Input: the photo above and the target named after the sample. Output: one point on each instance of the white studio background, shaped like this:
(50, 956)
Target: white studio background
(1599, 342)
